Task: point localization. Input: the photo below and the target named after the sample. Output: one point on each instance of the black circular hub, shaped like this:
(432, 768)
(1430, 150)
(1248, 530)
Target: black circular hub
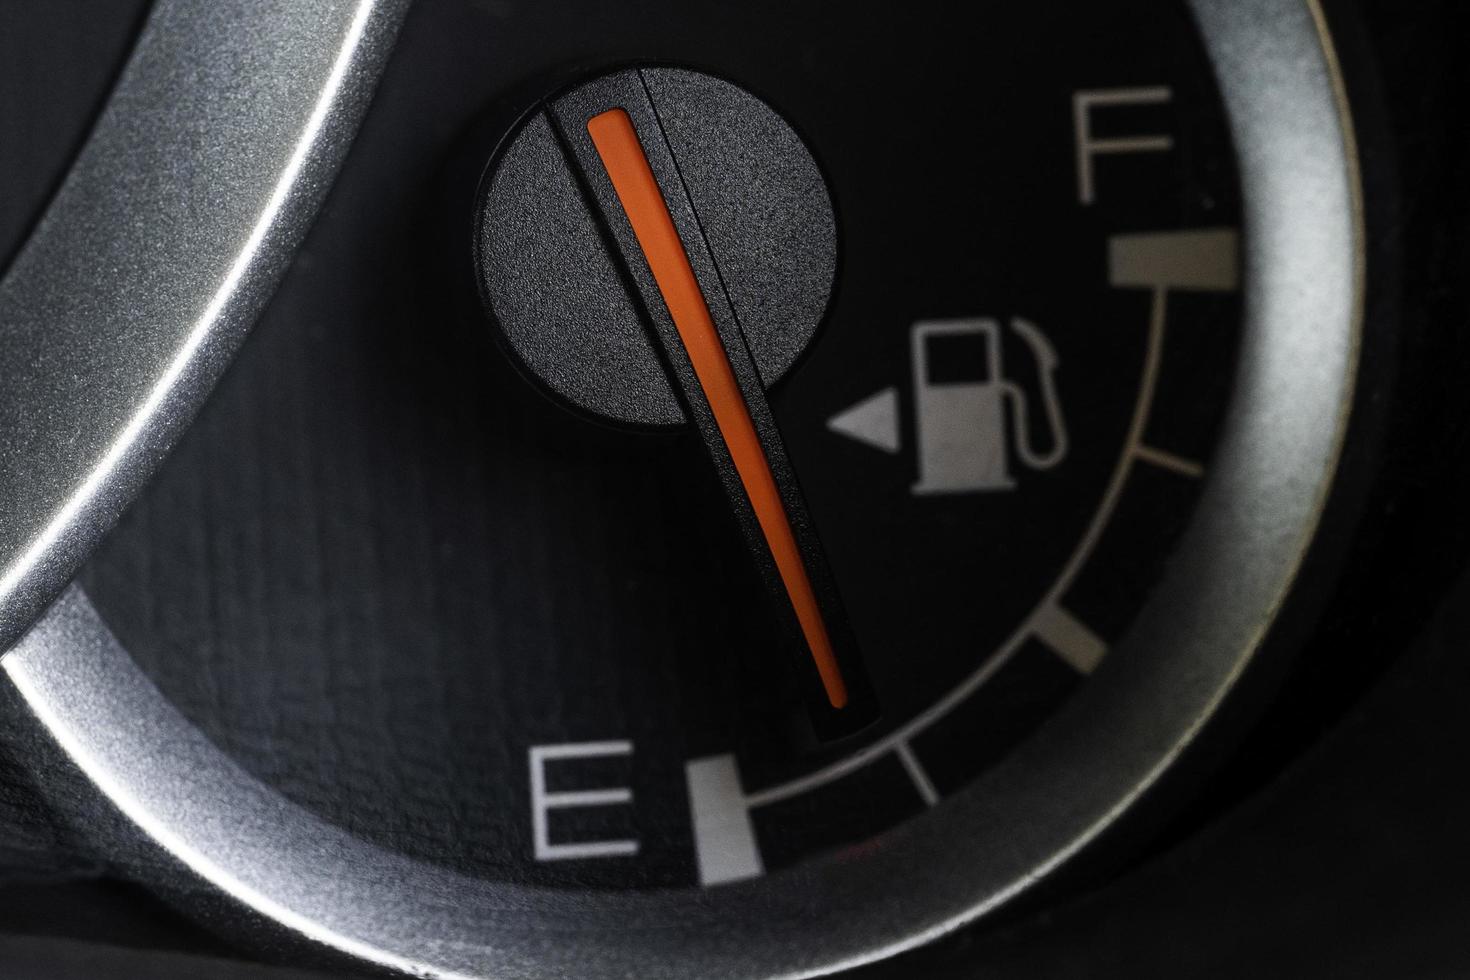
(570, 303)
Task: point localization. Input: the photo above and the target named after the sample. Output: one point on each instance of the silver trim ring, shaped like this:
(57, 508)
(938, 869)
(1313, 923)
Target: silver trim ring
(158, 253)
(1015, 825)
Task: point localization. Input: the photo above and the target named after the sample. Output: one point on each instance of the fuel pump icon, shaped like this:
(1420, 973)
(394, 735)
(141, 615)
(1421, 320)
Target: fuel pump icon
(961, 393)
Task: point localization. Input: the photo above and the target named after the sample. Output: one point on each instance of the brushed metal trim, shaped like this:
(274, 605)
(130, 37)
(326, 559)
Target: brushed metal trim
(158, 252)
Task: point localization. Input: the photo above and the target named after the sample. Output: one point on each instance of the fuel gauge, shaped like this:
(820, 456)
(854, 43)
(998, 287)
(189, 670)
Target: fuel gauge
(959, 449)
(734, 491)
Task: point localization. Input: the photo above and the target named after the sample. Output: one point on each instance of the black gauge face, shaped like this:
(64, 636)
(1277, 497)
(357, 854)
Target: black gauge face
(440, 574)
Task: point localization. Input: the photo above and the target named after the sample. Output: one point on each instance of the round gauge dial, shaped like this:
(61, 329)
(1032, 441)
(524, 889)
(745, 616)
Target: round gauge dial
(989, 309)
(703, 467)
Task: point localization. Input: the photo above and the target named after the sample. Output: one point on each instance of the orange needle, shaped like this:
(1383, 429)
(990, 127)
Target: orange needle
(632, 178)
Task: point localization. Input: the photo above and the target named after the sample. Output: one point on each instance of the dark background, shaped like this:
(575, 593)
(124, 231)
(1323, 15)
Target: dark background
(1331, 843)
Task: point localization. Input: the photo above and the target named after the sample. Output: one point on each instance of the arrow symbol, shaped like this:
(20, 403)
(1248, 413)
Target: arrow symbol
(872, 421)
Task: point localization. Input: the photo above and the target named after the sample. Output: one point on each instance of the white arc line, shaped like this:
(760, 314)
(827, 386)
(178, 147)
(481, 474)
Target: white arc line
(1143, 407)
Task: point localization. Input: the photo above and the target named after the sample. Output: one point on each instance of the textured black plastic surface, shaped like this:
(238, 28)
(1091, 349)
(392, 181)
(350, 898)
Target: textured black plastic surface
(742, 185)
(560, 303)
